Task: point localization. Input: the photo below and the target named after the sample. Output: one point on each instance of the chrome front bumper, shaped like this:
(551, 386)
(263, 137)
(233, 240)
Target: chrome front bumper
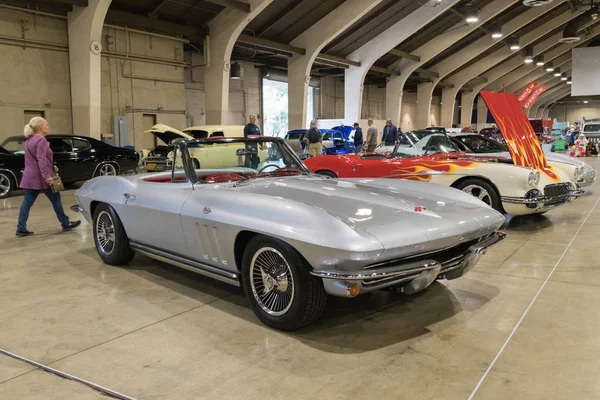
(542, 199)
(414, 276)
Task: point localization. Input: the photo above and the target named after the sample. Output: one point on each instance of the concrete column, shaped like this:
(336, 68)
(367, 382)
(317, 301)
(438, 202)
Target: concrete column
(313, 40)
(482, 111)
(448, 103)
(458, 59)
(377, 47)
(428, 51)
(424, 97)
(224, 30)
(466, 113)
(546, 113)
(85, 38)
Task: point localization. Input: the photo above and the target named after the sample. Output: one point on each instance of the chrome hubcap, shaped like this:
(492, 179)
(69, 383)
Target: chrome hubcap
(272, 281)
(105, 233)
(4, 185)
(107, 170)
(480, 193)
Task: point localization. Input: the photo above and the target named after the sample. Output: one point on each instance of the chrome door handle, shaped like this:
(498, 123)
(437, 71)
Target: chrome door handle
(356, 165)
(129, 196)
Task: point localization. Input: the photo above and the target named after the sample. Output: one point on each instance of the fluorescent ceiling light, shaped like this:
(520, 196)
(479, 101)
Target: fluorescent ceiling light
(515, 46)
(496, 35)
(585, 102)
(563, 76)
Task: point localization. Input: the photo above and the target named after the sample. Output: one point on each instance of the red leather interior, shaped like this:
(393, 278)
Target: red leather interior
(223, 177)
(213, 178)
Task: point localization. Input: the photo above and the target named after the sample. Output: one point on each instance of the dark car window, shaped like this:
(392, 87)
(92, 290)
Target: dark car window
(217, 134)
(337, 135)
(327, 136)
(294, 135)
(80, 144)
(479, 144)
(197, 134)
(591, 128)
(60, 145)
(15, 145)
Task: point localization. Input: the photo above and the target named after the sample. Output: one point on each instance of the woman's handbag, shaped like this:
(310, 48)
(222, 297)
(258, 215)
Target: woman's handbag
(57, 183)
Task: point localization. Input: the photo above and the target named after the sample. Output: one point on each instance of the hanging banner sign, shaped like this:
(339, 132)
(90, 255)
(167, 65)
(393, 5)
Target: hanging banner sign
(527, 91)
(534, 96)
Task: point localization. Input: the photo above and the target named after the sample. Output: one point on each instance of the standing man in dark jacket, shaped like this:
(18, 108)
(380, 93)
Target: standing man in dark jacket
(251, 129)
(315, 140)
(358, 138)
(390, 133)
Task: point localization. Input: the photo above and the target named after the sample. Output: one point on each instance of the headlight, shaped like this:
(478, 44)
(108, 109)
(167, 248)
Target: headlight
(579, 174)
(534, 178)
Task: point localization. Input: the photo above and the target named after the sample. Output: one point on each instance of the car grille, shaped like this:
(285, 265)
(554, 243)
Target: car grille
(450, 259)
(559, 189)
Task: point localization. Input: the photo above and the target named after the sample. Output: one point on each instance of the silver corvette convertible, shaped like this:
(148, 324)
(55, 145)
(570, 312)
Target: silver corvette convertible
(253, 215)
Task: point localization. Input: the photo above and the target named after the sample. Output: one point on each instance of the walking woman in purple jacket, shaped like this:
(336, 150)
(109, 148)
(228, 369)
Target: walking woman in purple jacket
(37, 176)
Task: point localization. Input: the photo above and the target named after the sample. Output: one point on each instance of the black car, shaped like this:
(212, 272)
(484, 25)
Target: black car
(78, 158)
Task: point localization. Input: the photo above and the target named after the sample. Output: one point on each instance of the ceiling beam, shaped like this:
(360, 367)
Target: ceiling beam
(271, 45)
(156, 25)
(156, 6)
(236, 4)
(338, 60)
(381, 70)
(404, 54)
(427, 72)
(80, 3)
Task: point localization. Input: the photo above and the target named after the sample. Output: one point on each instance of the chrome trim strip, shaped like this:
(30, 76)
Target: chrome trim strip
(378, 273)
(200, 268)
(541, 199)
(487, 243)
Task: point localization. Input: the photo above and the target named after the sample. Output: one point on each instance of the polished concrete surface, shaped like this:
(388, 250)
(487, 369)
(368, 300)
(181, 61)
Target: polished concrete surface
(152, 331)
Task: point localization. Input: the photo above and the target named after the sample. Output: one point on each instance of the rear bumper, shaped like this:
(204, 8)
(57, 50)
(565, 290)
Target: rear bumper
(413, 276)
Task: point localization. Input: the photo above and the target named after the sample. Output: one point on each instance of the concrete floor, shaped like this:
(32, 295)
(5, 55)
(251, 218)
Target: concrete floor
(152, 331)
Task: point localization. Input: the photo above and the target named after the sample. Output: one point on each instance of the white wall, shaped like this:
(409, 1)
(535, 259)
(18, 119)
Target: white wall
(574, 112)
(33, 78)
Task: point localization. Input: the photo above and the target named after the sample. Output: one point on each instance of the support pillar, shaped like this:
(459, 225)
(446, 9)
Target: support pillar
(313, 40)
(448, 103)
(224, 30)
(424, 98)
(466, 114)
(393, 100)
(482, 111)
(85, 38)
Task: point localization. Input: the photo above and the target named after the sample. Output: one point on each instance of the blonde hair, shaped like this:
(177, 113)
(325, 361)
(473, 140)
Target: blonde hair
(34, 125)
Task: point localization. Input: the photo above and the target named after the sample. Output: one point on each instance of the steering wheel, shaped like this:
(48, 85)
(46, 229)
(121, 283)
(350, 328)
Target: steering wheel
(267, 166)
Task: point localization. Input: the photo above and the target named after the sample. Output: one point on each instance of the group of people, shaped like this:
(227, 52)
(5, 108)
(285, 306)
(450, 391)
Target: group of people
(391, 135)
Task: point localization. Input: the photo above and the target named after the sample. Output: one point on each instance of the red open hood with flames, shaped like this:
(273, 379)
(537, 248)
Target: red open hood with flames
(523, 144)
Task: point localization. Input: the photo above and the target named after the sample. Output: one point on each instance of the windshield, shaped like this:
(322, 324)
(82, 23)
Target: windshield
(430, 144)
(15, 145)
(294, 136)
(480, 144)
(240, 159)
(591, 128)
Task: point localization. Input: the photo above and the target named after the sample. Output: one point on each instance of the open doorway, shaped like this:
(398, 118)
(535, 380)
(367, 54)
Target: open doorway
(275, 107)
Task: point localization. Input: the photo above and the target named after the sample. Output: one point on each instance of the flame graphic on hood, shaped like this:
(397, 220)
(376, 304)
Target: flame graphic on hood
(523, 144)
(422, 171)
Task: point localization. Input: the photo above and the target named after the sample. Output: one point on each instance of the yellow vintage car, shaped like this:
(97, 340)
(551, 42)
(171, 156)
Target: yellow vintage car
(207, 159)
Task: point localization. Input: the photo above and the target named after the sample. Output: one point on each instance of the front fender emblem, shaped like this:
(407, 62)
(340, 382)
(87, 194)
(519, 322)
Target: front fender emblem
(207, 210)
(420, 209)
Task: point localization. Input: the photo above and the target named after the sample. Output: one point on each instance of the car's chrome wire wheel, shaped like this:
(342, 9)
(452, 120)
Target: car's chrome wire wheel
(272, 281)
(105, 233)
(4, 185)
(107, 170)
(479, 192)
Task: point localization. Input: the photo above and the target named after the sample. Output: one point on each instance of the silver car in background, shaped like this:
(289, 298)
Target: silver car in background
(288, 236)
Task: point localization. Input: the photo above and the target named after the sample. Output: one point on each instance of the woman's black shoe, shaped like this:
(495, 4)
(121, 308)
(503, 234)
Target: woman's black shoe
(23, 233)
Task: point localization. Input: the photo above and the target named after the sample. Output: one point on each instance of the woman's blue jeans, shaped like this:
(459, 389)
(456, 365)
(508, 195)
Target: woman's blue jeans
(30, 196)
